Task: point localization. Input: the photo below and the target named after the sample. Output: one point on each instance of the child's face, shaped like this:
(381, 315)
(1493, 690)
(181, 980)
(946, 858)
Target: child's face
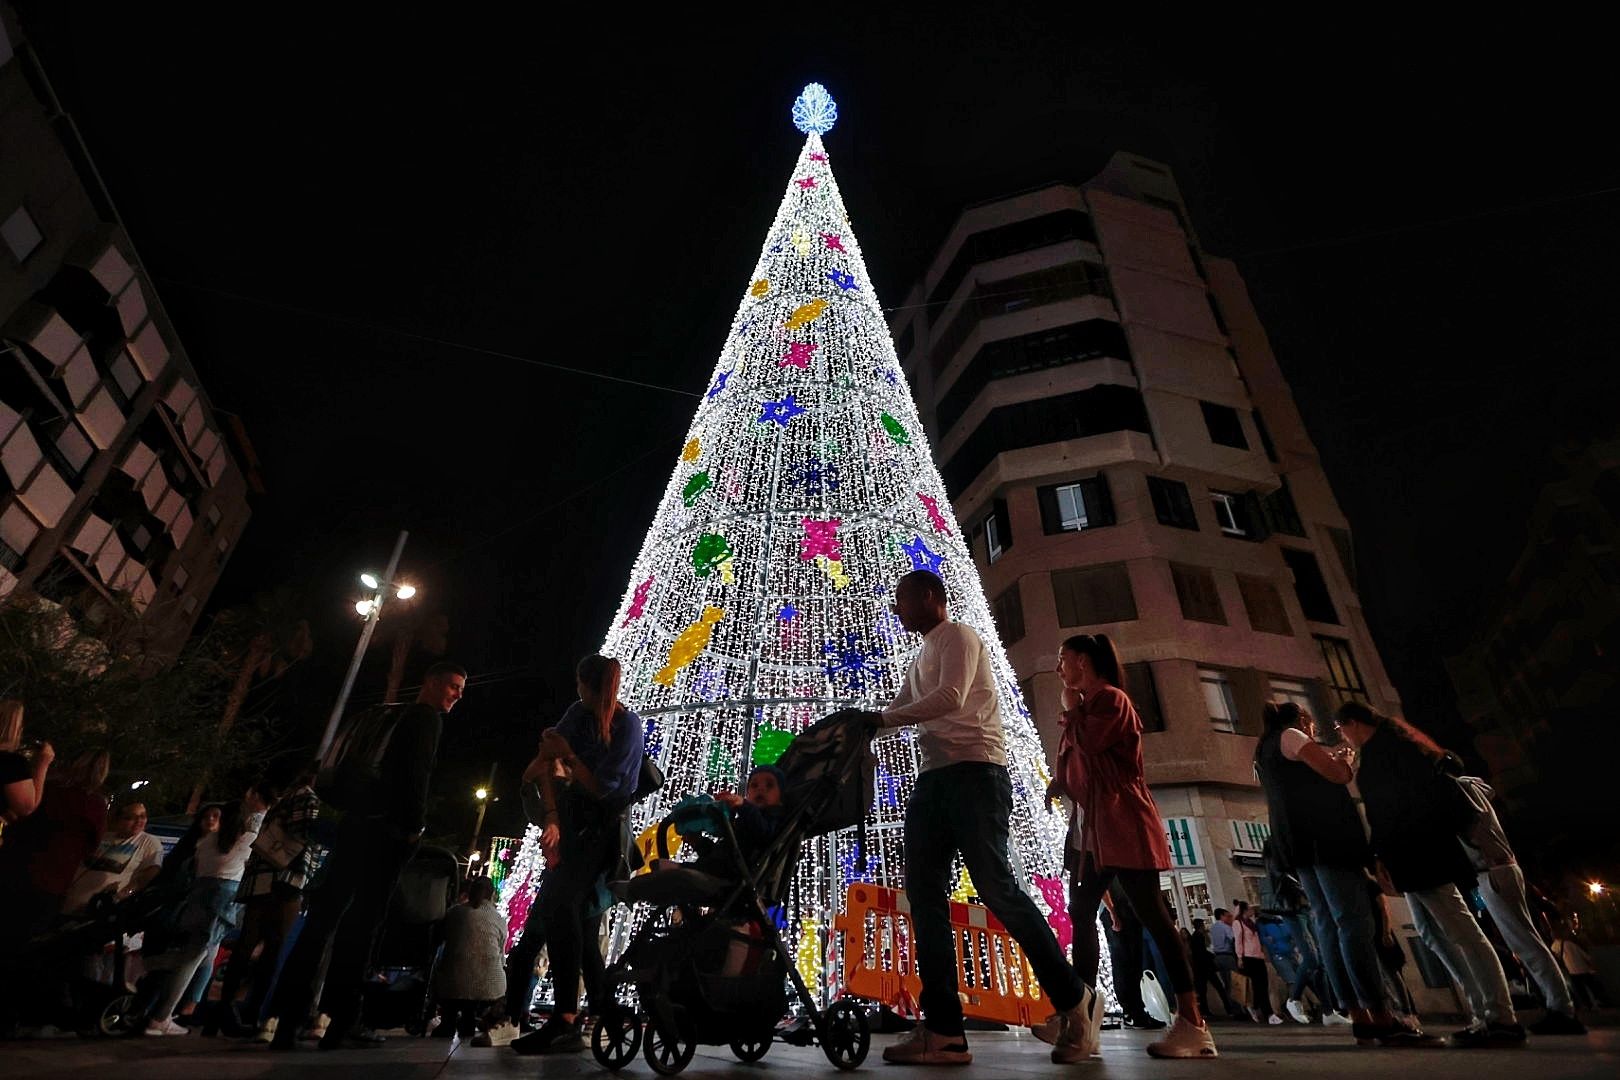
(763, 790)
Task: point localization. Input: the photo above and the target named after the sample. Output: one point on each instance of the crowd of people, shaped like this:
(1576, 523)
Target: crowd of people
(326, 842)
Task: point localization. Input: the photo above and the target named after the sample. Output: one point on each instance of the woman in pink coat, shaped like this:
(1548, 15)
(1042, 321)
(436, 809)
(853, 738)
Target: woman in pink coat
(1115, 829)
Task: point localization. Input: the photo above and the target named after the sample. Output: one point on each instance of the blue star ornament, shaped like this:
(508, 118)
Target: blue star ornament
(922, 558)
(719, 385)
(843, 279)
(787, 612)
(780, 412)
(814, 110)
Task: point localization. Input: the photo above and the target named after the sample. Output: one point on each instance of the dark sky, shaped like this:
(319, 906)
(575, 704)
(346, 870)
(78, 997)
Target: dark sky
(346, 219)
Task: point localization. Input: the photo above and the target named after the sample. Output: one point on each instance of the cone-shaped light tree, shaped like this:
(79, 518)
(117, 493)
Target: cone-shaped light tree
(761, 598)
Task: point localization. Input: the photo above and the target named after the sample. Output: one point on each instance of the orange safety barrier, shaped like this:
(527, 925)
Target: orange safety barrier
(994, 980)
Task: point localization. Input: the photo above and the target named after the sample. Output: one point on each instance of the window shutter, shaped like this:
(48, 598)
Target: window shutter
(1254, 517)
(1003, 524)
(1099, 503)
(1051, 520)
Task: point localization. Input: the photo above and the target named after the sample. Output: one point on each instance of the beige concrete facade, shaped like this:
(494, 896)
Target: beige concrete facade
(120, 496)
(1078, 335)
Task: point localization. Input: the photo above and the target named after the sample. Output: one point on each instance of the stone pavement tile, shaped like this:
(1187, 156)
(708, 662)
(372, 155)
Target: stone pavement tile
(1247, 1052)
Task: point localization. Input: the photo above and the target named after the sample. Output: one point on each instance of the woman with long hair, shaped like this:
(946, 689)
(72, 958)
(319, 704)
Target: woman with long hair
(1251, 956)
(272, 897)
(599, 745)
(210, 910)
(1316, 831)
(22, 782)
(1115, 833)
(1415, 811)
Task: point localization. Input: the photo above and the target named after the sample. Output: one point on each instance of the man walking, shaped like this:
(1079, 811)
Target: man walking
(378, 771)
(962, 802)
(1223, 950)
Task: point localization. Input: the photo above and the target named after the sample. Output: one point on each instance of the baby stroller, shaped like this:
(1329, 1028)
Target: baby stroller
(400, 994)
(709, 964)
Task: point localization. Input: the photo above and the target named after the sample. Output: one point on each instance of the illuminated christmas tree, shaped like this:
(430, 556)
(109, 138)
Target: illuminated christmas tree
(760, 601)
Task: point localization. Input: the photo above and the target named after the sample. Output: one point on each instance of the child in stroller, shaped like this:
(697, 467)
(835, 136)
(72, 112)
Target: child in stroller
(708, 963)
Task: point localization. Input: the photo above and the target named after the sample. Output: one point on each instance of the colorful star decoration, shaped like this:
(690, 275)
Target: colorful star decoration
(818, 156)
(896, 430)
(806, 183)
(696, 486)
(719, 385)
(638, 602)
(820, 538)
(787, 612)
(922, 558)
(780, 412)
(833, 241)
(850, 664)
(798, 355)
(759, 288)
(805, 314)
(843, 279)
(691, 450)
(935, 518)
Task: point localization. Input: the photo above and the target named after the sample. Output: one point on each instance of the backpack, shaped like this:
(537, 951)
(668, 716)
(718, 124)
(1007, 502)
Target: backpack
(350, 776)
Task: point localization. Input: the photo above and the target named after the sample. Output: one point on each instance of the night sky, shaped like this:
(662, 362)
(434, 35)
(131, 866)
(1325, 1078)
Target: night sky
(372, 235)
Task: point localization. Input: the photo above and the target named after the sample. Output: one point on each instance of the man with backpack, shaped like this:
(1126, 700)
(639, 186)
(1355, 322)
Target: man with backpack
(374, 782)
(962, 802)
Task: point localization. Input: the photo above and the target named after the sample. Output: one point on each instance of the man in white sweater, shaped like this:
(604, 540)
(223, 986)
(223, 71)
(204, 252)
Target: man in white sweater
(962, 802)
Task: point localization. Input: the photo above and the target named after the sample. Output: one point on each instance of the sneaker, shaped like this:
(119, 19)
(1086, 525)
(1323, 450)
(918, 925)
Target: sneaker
(1185, 1039)
(1049, 1029)
(1296, 1009)
(267, 1031)
(1493, 1036)
(1078, 1031)
(166, 1027)
(362, 1038)
(555, 1036)
(501, 1034)
(924, 1047)
(1274, 1019)
(1335, 1019)
(1558, 1023)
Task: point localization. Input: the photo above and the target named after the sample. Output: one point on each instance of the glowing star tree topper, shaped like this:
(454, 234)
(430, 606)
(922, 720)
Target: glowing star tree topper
(801, 493)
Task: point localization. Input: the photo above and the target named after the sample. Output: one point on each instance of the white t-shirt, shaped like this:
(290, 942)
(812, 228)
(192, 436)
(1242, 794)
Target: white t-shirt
(950, 694)
(1293, 742)
(115, 862)
(214, 863)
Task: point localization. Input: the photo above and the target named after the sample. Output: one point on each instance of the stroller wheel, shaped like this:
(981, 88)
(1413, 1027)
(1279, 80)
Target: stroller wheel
(119, 1017)
(846, 1036)
(616, 1038)
(751, 1049)
(668, 1052)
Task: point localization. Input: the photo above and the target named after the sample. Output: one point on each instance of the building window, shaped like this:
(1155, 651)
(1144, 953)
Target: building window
(1093, 595)
(997, 529)
(1293, 690)
(1172, 503)
(1347, 552)
(1008, 610)
(1195, 588)
(1281, 513)
(1264, 604)
(1261, 430)
(1225, 429)
(1073, 507)
(1228, 512)
(1218, 700)
(1101, 409)
(21, 233)
(1344, 678)
(1314, 599)
(1011, 239)
(1040, 350)
(1144, 694)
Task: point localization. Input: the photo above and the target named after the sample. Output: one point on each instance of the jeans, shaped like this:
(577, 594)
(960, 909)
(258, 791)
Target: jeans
(208, 913)
(1502, 889)
(1341, 912)
(1310, 971)
(347, 912)
(1448, 927)
(966, 808)
(1141, 889)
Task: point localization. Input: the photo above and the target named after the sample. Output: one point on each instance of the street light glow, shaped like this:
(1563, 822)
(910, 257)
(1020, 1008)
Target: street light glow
(364, 607)
(481, 794)
(474, 857)
(1595, 888)
(369, 580)
(136, 785)
(406, 592)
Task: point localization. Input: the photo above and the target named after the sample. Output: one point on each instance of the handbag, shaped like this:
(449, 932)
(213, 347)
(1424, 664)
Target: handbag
(276, 846)
(650, 779)
(1153, 999)
(1241, 991)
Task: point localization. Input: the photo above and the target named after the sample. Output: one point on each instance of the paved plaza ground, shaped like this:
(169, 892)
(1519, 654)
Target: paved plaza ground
(1247, 1052)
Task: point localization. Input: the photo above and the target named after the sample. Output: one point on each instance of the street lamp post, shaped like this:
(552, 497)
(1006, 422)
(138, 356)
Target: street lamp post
(372, 609)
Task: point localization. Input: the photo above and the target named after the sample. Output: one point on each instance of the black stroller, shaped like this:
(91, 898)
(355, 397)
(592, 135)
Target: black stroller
(400, 993)
(709, 964)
